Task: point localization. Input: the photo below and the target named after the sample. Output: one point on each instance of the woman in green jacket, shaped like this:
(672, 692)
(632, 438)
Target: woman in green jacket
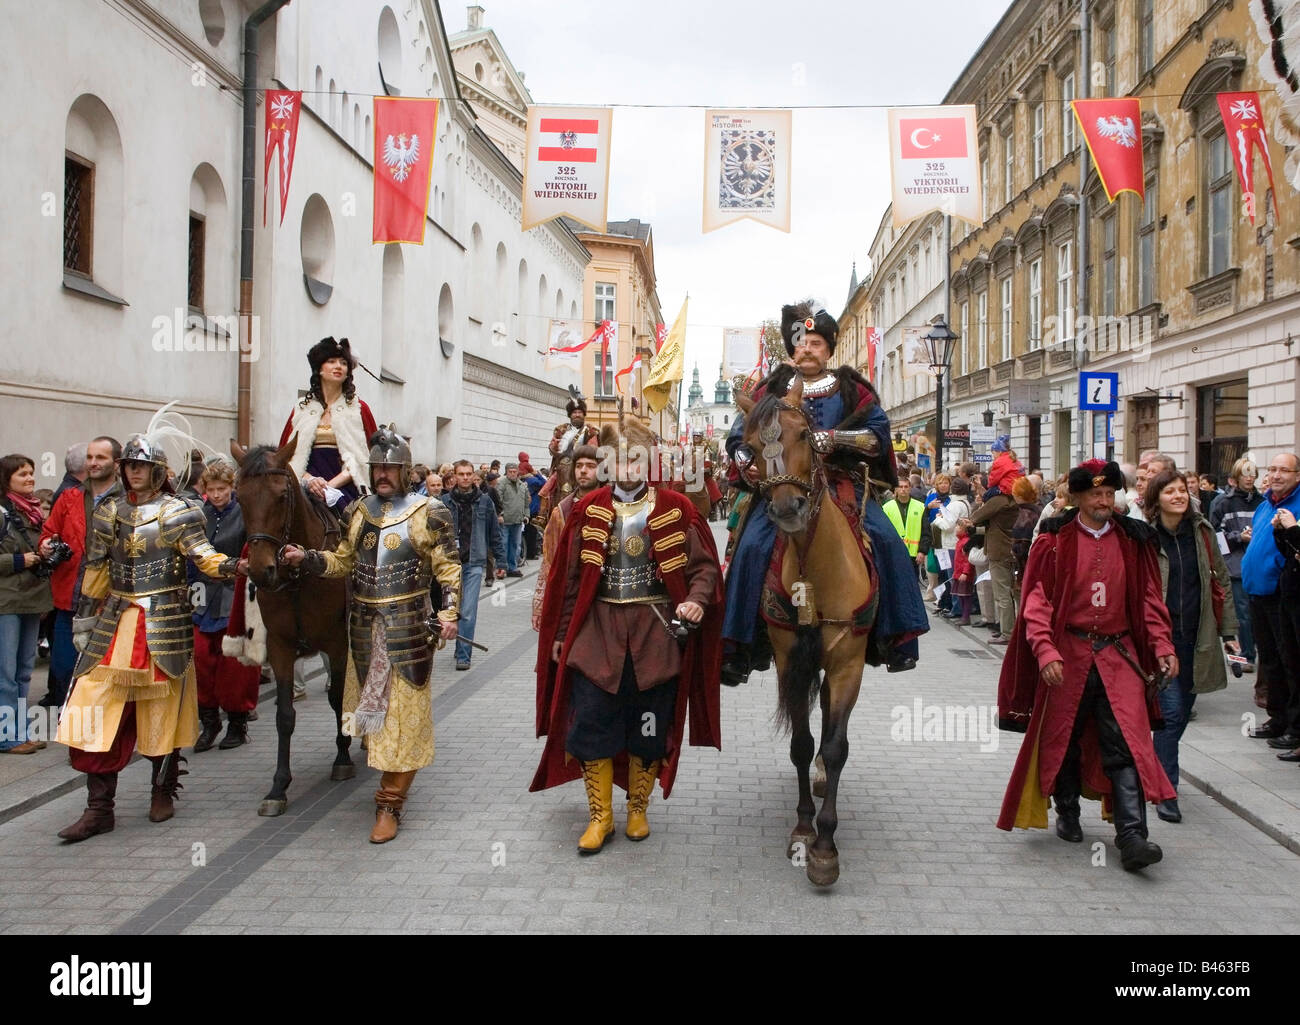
(1192, 573)
(24, 595)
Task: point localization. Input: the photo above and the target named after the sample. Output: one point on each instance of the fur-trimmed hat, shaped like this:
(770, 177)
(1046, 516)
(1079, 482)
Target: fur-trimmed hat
(801, 319)
(1093, 473)
(586, 452)
(627, 433)
(328, 348)
(578, 403)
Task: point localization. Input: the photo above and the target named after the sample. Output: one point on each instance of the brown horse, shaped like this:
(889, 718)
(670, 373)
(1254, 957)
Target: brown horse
(299, 621)
(832, 597)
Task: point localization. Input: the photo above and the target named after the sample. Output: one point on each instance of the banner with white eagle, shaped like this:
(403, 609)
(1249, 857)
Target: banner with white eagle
(566, 173)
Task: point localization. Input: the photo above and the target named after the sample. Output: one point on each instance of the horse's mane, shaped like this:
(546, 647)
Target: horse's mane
(768, 405)
(257, 461)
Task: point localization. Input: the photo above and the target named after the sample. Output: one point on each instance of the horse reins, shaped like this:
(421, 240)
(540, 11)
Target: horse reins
(282, 541)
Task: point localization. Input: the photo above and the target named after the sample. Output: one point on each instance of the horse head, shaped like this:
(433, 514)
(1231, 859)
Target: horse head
(778, 442)
(269, 497)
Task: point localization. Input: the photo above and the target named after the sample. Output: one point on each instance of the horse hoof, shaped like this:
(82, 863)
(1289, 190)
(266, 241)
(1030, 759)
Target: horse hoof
(823, 869)
(342, 772)
(800, 844)
(271, 807)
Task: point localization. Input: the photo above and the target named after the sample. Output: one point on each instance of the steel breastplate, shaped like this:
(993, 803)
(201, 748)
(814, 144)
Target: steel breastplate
(629, 575)
(140, 563)
(388, 566)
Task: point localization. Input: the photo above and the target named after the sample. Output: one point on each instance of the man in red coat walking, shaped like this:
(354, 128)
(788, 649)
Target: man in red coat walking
(1093, 638)
(614, 685)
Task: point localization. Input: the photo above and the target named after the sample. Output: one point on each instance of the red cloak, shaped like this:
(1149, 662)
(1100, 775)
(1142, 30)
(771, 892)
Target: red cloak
(1047, 714)
(698, 692)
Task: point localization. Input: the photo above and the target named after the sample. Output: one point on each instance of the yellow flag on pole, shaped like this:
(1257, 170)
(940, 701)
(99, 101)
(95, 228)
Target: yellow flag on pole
(667, 366)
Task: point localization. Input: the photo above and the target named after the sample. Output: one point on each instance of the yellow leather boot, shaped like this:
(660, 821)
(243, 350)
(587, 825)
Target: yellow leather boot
(598, 776)
(389, 799)
(640, 785)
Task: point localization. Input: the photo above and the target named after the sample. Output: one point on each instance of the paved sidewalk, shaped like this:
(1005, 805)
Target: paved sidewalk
(478, 853)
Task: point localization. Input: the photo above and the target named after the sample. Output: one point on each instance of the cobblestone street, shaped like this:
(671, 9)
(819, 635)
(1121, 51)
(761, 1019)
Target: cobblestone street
(478, 853)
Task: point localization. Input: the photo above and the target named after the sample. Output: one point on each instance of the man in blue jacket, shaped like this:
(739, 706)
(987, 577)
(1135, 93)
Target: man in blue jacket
(1261, 569)
(477, 531)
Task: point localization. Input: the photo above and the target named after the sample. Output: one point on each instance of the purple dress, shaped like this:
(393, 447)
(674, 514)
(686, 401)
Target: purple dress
(326, 462)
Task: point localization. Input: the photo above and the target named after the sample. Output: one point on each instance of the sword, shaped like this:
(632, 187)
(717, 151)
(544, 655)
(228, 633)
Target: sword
(434, 625)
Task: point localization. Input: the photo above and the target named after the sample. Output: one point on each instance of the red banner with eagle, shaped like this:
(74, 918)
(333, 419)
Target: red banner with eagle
(1113, 130)
(282, 110)
(1245, 130)
(404, 134)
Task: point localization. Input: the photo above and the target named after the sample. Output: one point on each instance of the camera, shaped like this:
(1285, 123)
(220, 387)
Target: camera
(59, 554)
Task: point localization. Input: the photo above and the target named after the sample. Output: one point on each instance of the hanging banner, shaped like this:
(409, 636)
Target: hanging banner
(875, 353)
(404, 135)
(1245, 128)
(747, 167)
(740, 347)
(631, 368)
(1112, 129)
(934, 163)
(282, 110)
(916, 354)
(661, 332)
(667, 367)
(566, 173)
(565, 344)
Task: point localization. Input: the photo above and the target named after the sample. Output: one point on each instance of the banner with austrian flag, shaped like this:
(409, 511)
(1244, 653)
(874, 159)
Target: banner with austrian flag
(566, 171)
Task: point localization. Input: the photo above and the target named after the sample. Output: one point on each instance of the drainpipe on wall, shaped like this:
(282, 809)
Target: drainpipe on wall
(243, 423)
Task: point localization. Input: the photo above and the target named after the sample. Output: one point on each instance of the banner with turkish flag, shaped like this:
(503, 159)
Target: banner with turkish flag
(1244, 124)
(404, 136)
(1112, 128)
(934, 163)
(566, 165)
(282, 109)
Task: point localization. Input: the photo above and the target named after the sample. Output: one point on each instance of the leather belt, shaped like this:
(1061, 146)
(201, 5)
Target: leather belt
(1156, 682)
(1099, 641)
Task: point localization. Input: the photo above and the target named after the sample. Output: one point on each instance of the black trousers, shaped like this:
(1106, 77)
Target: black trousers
(1115, 753)
(1277, 656)
(602, 724)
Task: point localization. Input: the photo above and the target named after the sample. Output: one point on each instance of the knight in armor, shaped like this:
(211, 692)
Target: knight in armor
(629, 640)
(136, 662)
(564, 439)
(396, 543)
(852, 433)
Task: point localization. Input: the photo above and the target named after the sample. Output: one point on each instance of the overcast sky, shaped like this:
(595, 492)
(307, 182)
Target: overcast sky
(688, 55)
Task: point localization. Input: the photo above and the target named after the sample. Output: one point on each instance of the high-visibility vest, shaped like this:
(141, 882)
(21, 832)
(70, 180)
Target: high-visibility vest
(915, 512)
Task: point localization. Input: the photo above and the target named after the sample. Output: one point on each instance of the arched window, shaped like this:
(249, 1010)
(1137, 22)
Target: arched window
(316, 246)
(521, 336)
(213, 19)
(390, 51)
(93, 183)
(209, 284)
(446, 322)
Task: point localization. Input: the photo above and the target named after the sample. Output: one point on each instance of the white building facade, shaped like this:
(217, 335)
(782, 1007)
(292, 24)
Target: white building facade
(136, 155)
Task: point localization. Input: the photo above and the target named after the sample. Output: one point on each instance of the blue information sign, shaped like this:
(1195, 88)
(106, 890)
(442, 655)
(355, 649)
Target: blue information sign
(1099, 391)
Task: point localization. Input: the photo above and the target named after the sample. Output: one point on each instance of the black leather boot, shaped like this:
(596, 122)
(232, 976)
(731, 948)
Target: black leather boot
(736, 667)
(236, 731)
(1066, 797)
(209, 727)
(1135, 850)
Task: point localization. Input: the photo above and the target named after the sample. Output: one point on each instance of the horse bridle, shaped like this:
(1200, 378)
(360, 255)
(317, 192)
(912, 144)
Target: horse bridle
(817, 485)
(282, 541)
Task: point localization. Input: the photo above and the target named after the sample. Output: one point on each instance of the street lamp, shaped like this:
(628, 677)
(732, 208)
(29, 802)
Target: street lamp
(939, 342)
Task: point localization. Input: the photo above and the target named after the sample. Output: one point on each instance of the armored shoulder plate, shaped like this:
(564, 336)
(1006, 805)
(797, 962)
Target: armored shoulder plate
(175, 515)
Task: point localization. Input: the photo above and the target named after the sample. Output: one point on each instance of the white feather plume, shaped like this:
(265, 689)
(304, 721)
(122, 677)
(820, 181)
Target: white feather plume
(171, 432)
(1278, 24)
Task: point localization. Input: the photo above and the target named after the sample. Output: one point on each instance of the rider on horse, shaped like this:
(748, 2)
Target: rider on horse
(564, 440)
(395, 544)
(853, 433)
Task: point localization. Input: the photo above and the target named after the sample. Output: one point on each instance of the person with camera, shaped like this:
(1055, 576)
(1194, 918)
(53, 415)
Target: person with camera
(1196, 586)
(630, 639)
(68, 524)
(24, 595)
(1086, 658)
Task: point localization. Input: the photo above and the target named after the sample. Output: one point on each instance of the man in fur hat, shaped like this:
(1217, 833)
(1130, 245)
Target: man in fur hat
(395, 544)
(1080, 676)
(852, 432)
(629, 640)
(586, 463)
(564, 439)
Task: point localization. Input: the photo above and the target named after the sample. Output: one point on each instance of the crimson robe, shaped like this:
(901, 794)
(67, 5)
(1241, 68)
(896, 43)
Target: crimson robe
(698, 693)
(1051, 587)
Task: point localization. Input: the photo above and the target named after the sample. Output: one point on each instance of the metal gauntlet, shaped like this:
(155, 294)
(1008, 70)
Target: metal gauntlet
(313, 564)
(863, 442)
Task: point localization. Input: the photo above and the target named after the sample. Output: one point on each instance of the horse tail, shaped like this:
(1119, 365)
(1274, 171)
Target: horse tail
(800, 681)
